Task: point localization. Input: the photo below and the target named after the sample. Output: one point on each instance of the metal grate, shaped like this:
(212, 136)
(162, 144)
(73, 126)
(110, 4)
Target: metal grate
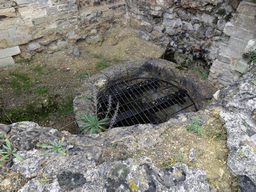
(143, 100)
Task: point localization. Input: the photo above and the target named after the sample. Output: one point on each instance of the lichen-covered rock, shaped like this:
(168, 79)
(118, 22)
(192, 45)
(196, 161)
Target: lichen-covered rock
(239, 103)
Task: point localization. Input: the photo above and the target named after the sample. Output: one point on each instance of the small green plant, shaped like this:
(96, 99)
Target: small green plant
(40, 90)
(101, 64)
(44, 179)
(251, 56)
(92, 123)
(179, 67)
(115, 59)
(2, 139)
(215, 20)
(202, 70)
(20, 81)
(97, 56)
(221, 12)
(84, 97)
(228, 17)
(38, 68)
(10, 152)
(56, 147)
(195, 126)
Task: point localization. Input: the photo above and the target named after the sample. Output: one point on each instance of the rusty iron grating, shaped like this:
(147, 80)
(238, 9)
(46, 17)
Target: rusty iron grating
(144, 100)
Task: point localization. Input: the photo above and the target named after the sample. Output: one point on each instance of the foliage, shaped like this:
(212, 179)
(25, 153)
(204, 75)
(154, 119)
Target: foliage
(10, 151)
(251, 56)
(2, 139)
(215, 20)
(195, 126)
(56, 147)
(202, 70)
(40, 90)
(179, 67)
(101, 64)
(221, 12)
(228, 17)
(20, 81)
(92, 123)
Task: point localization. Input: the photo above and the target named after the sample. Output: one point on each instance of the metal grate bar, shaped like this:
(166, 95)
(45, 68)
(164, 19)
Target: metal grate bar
(144, 100)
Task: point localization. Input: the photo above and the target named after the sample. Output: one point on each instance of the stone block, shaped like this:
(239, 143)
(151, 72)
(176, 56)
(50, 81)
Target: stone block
(224, 58)
(6, 61)
(8, 52)
(241, 66)
(22, 2)
(238, 32)
(18, 40)
(207, 18)
(41, 20)
(247, 9)
(246, 22)
(33, 46)
(51, 10)
(9, 12)
(235, 47)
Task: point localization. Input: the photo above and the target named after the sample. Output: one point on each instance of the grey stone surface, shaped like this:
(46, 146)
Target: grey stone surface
(6, 61)
(5, 128)
(33, 46)
(238, 102)
(74, 51)
(4, 53)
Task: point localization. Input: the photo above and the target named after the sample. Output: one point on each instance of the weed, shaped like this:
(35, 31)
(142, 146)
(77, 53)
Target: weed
(101, 64)
(10, 152)
(97, 56)
(44, 179)
(56, 147)
(115, 59)
(228, 17)
(41, 90)
(251, 56)
(195, 126)
(221, 12)
(171, 161)
(202, 70)
(38, 68)
(179, 67)
(84, 97)
(92, 123)
(20, 81)
(67, 106)
(2, 139)
(215, 20)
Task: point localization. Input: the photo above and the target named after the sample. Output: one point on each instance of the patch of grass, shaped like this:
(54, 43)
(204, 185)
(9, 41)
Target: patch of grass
(251, 56)
(228, 17)
(179, 67)
(40, 90)
(215, 20)
(202, 70)
(98, 56)
(221, 12)
(20, 81)
(101, 64)
(83, 75)
(116, 59)
(173, 160)
(29, 112)
(67, 106)
(38, 68)
(196, 127)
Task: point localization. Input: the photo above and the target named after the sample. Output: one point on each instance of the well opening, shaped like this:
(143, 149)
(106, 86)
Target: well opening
(148, 91)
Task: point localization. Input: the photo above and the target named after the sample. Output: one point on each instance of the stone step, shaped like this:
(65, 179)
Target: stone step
(8, 52)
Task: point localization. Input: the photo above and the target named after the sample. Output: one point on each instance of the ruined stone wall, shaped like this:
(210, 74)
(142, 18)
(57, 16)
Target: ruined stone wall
(38, 23)
(213, 31)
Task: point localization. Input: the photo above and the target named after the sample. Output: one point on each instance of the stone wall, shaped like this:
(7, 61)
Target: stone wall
(38, 23)
(215, 32)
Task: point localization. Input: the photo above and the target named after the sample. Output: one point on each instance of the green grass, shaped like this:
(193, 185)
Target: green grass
(67, 106)
(98, 55)
(40, 90)
(196, 127)
(251, 56)
(179, 67)
(20, 81)
(101, 64)
(38, 68)
(202, 70)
